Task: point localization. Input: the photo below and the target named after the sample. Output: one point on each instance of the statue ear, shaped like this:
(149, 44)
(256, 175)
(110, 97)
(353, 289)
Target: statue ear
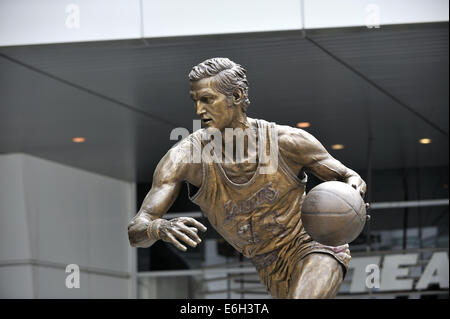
(238, 96)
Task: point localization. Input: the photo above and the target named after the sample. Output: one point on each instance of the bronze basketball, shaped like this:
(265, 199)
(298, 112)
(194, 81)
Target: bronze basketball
(333, 213)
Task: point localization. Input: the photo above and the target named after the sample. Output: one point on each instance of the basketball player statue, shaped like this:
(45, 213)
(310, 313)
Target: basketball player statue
(254, 204)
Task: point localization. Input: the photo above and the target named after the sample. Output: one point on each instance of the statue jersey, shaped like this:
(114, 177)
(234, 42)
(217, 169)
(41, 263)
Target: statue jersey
(258, 216)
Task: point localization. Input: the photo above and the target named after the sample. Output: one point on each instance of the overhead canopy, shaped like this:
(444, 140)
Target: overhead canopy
(125, 97)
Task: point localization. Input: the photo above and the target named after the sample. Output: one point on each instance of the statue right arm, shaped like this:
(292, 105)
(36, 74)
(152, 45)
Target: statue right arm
(147, 226)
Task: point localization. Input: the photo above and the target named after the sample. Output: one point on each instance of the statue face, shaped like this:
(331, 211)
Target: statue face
(212, 107)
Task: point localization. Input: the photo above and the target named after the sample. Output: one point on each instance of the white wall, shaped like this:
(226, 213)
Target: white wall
(197, 17)
(53, 215)
(25, 22)
(57, 21)
(349, 13)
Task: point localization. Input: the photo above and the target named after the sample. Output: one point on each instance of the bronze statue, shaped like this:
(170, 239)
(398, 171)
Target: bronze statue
(254, 204)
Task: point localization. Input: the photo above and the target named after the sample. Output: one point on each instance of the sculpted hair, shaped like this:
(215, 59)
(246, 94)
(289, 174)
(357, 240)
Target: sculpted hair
(228, 74)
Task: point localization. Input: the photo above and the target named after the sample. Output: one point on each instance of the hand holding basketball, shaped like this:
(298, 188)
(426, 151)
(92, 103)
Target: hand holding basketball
(357, 183)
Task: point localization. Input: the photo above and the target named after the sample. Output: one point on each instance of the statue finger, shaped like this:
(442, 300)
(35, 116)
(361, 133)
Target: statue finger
(193, 222)
(171, 239)
(184, 238)
(191, 232)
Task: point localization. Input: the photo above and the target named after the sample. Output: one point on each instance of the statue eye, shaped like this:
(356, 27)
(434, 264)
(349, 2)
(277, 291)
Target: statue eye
(205, 99)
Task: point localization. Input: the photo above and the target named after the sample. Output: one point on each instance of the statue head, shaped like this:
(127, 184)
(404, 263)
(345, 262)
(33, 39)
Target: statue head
(228, 77)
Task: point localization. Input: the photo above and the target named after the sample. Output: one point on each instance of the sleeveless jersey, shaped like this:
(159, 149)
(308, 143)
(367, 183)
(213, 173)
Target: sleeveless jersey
(261, 215)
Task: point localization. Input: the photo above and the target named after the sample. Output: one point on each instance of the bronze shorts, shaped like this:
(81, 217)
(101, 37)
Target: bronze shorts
(275, 268)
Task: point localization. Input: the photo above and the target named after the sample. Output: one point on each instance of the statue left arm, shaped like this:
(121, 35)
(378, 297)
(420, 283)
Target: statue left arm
(307, 152)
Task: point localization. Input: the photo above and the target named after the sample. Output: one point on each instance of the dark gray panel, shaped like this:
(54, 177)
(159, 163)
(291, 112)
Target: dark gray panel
(291, 80)
(40, 116)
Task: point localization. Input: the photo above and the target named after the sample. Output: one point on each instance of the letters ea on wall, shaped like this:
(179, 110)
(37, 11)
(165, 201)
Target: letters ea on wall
(393, 272)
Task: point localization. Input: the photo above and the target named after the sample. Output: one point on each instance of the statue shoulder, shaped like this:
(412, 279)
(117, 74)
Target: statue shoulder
(175, 157)
(292, 140)
(179, 161)
(186, 144)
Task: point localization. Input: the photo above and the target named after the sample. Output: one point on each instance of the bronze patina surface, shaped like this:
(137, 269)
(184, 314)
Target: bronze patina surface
(254, 204)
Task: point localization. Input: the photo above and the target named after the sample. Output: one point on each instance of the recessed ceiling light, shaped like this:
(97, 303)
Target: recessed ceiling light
(303, 124)
(337, 146)
(78, 140)
(425, 141)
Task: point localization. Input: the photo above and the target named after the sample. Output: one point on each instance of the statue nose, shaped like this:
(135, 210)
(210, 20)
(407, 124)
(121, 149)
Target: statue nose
(200, 109)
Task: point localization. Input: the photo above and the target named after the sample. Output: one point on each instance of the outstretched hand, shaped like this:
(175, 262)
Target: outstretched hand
(181, 230)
